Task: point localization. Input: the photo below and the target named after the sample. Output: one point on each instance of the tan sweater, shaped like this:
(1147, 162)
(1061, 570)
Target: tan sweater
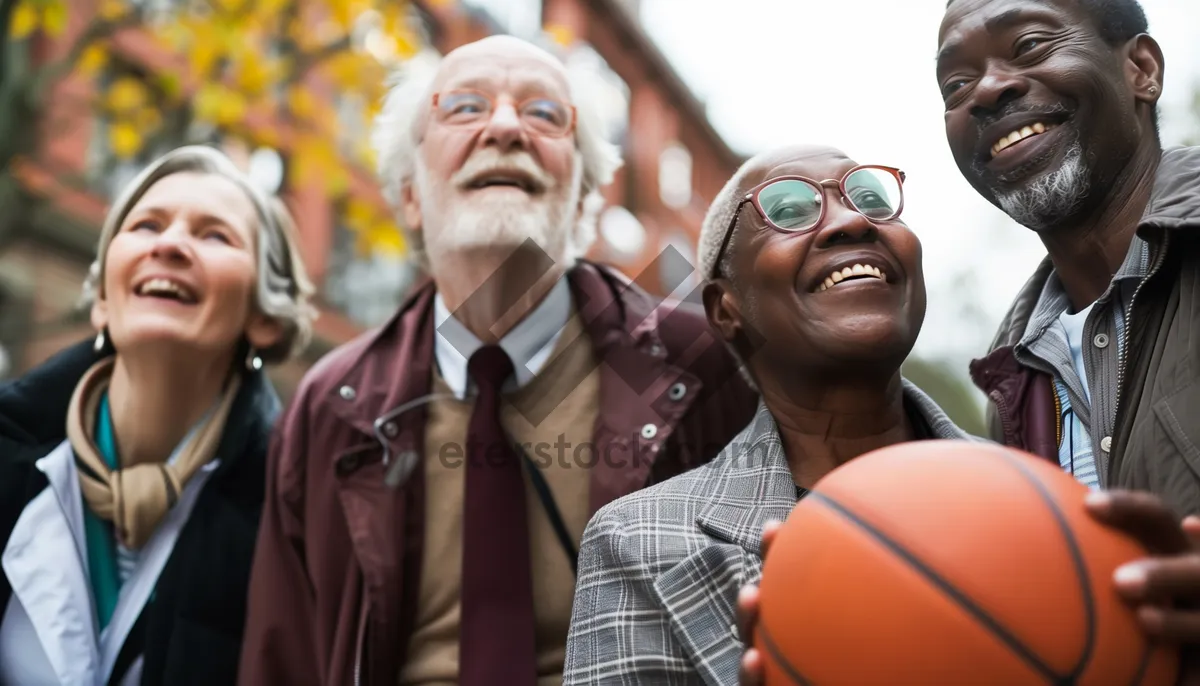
(433, 650)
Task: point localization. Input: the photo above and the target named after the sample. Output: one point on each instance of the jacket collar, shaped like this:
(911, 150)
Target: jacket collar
(251, 419)
(36, 404)
(387, 384)
(1174, 206)
(755, 484)
(1175, 199)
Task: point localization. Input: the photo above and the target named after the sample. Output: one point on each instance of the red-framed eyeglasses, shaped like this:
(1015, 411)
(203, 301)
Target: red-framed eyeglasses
(796, 204)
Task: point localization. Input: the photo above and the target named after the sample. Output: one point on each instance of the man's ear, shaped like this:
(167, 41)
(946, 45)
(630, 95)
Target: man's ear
(411, 204)
(1144, 69)
(722, 309)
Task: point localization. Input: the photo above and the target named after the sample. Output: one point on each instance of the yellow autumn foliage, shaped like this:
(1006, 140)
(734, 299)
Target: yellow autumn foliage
(92, 59)
(384, 237)
(24, 20)
(54, 17)
(124, 139)
(111, 10)
(125, 95)
(268, 72)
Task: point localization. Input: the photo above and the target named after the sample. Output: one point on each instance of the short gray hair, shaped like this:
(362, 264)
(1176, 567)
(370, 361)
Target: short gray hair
(712, 235)
(716, 220)
(396, 136)
(284, 289)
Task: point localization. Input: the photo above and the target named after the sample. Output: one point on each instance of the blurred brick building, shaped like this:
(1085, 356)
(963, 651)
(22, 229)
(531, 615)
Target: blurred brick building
(675, 162)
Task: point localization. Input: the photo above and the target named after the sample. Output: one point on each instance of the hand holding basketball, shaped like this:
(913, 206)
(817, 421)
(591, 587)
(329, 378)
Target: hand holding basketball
(751, 672)
(1165, 587)
(1171, 574)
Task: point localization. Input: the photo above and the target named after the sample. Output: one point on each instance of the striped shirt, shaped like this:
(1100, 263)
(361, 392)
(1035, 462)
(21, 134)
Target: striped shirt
(1085, 374)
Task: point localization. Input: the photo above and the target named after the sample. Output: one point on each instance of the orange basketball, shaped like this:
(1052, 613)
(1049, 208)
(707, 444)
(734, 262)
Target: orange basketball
(947, 562)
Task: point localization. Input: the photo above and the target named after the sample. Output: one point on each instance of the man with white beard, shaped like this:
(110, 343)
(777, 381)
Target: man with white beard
(430, 482)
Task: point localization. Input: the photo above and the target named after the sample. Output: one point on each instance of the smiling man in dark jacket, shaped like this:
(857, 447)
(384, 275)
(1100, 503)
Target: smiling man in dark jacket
(1051, 116)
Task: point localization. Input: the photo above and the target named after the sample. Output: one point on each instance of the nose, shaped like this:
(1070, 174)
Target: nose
(171, 244)
(843, 225)
(996, 88)
(504, 129)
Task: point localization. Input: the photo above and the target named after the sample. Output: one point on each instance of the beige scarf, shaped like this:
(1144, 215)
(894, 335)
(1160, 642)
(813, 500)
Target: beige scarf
(136, 498)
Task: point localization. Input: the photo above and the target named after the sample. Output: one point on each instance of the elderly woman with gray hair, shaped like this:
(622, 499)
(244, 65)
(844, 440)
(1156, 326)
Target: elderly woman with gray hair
(132, 467)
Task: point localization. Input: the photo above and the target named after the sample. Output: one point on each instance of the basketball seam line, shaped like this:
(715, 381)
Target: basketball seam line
(1147, 654)
(1085, 585)
(989, 623)
(780, 660)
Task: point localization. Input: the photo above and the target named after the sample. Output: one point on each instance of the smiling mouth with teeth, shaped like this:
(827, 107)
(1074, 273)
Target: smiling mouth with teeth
(1035, 129)
(165, 288)
(858, 271)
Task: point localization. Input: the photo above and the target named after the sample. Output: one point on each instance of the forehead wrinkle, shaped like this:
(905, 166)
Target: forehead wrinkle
(523, 68)
(523, 83)
(1020, 13)
(164, 200)
(804, 165)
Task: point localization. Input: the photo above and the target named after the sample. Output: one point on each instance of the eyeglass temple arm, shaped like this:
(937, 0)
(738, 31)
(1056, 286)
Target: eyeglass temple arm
(728, 234)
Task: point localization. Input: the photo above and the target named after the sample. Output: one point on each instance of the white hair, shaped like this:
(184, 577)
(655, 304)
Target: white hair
(397, 134)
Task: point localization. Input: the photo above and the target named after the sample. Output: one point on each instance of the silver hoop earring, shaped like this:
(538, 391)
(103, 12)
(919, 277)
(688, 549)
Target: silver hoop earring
(99, 344)
(253, 361)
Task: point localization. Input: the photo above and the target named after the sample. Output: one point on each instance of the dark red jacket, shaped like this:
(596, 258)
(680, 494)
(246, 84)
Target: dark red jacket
(333, 594)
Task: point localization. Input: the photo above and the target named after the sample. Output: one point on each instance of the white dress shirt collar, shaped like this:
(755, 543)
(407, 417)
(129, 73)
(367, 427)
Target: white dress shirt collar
(528, 344)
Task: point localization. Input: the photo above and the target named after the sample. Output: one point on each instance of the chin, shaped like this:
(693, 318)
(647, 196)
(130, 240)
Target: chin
(870, 342)
(1047, 192)
(503, 222)
(159, 336)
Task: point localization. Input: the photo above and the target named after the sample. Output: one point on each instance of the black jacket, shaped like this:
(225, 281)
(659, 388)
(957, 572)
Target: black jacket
(190, 631)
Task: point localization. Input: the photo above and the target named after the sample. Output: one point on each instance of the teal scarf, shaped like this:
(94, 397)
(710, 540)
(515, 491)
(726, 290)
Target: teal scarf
(101, 540)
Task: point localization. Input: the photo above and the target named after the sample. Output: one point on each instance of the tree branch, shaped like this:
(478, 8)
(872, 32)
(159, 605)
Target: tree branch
(306, 61)
(98, 29)
(6, 11)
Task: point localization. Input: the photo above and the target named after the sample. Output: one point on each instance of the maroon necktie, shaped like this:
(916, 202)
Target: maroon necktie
(496, 636)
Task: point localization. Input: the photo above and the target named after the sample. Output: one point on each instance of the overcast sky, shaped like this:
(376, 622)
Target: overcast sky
(859, 75)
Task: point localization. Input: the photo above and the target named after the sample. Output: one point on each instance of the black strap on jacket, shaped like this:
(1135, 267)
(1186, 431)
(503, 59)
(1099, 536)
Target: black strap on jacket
(551, 508)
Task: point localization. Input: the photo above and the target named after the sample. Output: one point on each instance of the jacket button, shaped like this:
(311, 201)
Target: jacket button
(1101, 340)
(656, 350)
(1106, 444)
(346, 392)
(649, 431)
(390, 430)
(677, 391)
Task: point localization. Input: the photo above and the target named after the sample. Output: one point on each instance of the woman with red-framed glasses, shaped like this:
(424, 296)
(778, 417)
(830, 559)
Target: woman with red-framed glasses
(816, 284)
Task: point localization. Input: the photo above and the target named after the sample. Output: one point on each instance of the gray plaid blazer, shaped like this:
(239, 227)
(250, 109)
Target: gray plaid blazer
(660, 569)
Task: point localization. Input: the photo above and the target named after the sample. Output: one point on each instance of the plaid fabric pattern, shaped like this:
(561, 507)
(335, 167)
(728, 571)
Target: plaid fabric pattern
(659, 570)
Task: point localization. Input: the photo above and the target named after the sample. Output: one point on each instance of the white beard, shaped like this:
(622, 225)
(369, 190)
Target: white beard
(454, 223)
(1052, 197)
